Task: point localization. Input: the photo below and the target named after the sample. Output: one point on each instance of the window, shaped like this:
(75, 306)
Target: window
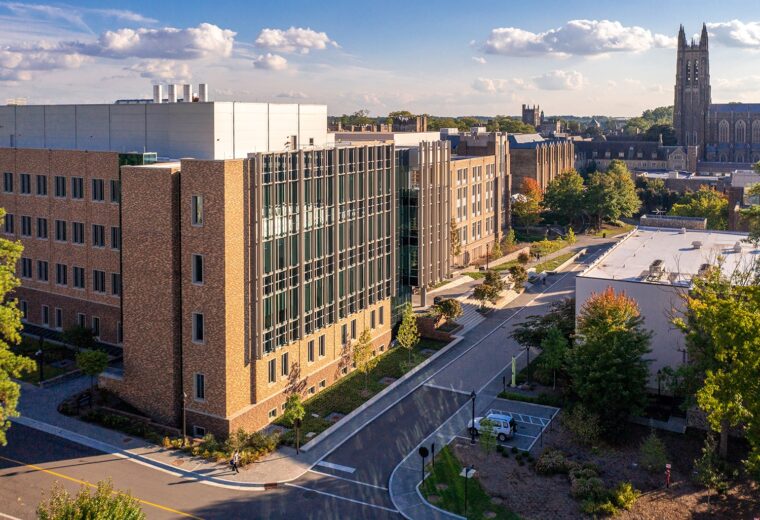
(372, 319)
(312, 390)
(24, 307)
(26, 268)
(9, 224)
(98, 281)
(198, 332)
(740, 132)
(98, 190)
(61, 274)
(8, 182)
(45, 315)
(81, 319)
(344, 333)
(119, 333)
(322, 384)
(60, 230)
(353, 329)
(26, 226)
(723, 131)
(310, 351)
(95, 326)
(26, 183)
(58, 318)
(98, 236)
(115, 238)
(42, 185)
(199, 431)
(42, 231)
(77, 233)
(382, 315)
(272, 373)
(60, 186)
(77, 188)
(42, 270)
(200, 387)
(322, 346)
(115, 191)
(197, 269)
(273, 413)
(196, 210)
(78, 277)
(116, 284)
(284, 365)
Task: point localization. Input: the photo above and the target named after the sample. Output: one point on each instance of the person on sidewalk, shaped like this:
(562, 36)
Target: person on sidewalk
(235, 461)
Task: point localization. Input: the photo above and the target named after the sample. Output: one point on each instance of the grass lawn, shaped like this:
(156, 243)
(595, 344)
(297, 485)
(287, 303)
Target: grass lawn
(613, 231)
(551, 265)
(440, 284)
(476, 275)
(446, 471)
(348, 393)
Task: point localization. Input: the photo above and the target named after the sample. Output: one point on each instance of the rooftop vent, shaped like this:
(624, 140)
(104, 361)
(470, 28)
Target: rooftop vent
(203, 92)
(656, 266)
(158, 93)
(683, 231)
(738, 247)
(697, 244)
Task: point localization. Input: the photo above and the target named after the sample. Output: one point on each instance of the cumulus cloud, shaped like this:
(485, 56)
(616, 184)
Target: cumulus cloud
(17, 64)
(270, 61)
(560, 80)
(479, 59)
(491, 86)
(736, 34)
(292, 94)
(576, 37)
(161, 70)
(293, 40)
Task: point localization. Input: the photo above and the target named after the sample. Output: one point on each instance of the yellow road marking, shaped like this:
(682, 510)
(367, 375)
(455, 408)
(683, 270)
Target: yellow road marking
(89, 484)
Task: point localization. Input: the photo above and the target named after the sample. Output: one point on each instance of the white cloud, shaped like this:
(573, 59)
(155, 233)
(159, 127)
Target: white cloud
(736, 34)
(293, 40)
(16, 64)
(576, 37)
(292, 94)
(560, 80)
(161, 70)
(491, 86)
(73, 15)
(479, 59)
(270, 61)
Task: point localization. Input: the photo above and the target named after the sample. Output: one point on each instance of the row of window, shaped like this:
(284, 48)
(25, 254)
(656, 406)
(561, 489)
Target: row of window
(78, 278)
(62, 233)
(740, 131)
(97, 187)
(57, 320)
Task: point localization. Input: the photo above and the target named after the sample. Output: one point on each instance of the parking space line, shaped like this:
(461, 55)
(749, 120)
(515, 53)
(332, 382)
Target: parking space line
(440, 387)
(348, 480)
(338, 497)
(337, 467)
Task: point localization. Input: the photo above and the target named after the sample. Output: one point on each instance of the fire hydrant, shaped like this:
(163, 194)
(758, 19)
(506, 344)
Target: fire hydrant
(667, 475)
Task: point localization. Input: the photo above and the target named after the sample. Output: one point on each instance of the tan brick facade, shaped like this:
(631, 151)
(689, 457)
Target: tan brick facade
(541, 162)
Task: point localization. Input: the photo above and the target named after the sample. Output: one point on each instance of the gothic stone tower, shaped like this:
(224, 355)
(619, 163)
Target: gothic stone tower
(692, 99)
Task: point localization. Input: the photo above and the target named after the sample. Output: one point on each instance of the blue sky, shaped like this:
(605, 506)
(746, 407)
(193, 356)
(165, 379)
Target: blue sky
(444, 57)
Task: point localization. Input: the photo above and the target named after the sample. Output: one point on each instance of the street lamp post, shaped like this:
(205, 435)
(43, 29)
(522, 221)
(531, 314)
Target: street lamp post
(472, 431)
(184, 418)
(467, 473)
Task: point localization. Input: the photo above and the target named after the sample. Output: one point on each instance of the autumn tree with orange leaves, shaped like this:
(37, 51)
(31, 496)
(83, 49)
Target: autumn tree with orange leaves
(607, 366)
(526, 206)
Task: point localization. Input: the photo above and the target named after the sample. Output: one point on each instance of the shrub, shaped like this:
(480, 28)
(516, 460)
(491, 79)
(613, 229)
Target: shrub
(583, 425)
(588, 489)
(103, 503)
(523, 258)
(600, 508)
(625, 495)
(209, 444)
(551, 461)
(514, 449)
(505, 454)
(499, 449)
(652, 454)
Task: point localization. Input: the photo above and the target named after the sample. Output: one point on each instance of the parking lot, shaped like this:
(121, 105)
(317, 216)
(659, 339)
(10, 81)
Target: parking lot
(531, 421)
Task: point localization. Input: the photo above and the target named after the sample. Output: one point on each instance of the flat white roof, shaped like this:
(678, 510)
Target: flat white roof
(679, 259)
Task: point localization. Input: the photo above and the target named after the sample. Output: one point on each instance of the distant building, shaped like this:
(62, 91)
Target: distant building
(655, 267)
(537, 158)
(738, 198)
(637, 155)
(532, 115)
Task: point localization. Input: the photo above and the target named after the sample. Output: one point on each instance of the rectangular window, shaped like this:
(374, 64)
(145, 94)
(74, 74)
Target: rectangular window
(77, 233)
(98, 190)
(322, 384)
(42, 185)
(60, 230)
(115, 238)
(26, 184)
(272, 373)
(58, 318)
(310, 351)
(77, 188)
(95, 326)
(81, 319)
(116, 284)
(98, 281)
(273, 413)
(115, 191)
(42, 230)
(119, 333)
(196, 210)
(284, 365)
(197, 269)
(322, 346)
(344, 333)
(98, 235)
(372, 319)
(26, 268)
(198, 327)
(199, 432)
(353, 329)
(61, 274)
(24, 308)
(200, 387)
(42, 270)
(26, 226)
(382, 315)
(60, 186)
(45, 315)
(8, 182)
(9, 224)
(78, 277)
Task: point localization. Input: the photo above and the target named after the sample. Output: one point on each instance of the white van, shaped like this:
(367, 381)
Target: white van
(504, 425)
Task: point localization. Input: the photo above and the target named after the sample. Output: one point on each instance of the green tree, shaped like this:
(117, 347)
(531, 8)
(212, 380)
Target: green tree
(535, 329)
(654, 195)
(11, 365)
(564, 196)
(408, 335)
(554, 348)
(510, 125)
(570, 237)
(496, 250)
(612, 194)
(364, 356)
(456, 243)
(103, 504)
(652, 454)
(80, 337)
(707, 469)
(485, 293)
(751, 215)
(92, 363)
(493, 279)
(526, 205)
(487, 435)
(358, 118)
(450, 308)
(607, 367)
(666, 131)
(509, 240)
(294, 414)
(519, 276)
(707, 203)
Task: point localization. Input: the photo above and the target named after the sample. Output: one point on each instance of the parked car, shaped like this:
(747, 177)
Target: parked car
(504, 425)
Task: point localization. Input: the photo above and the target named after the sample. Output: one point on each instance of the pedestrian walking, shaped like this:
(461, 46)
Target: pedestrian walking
(235, 461)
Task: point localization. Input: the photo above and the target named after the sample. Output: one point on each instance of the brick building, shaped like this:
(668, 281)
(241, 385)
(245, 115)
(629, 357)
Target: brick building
(533, 157)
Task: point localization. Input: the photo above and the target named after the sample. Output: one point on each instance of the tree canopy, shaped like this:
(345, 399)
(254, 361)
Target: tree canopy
(526, 205)
(535, 328)
(707, 203)
(612, 194)
(564, 194)
(510, 124)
